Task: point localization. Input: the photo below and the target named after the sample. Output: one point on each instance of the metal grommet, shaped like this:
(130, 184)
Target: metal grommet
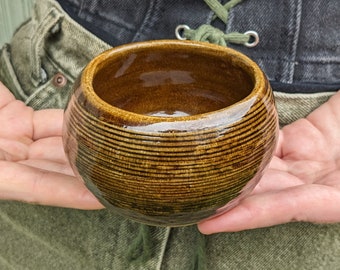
(255, 39)
(59, 80)
(179, 30)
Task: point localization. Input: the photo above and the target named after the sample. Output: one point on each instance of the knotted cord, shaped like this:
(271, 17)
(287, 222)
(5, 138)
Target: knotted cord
(208, 33)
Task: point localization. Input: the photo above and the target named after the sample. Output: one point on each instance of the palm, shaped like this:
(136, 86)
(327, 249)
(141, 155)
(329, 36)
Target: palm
(302, 182)
(33, 167)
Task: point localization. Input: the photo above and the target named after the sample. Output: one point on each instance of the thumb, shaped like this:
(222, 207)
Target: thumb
(33, 185)
(312, 203)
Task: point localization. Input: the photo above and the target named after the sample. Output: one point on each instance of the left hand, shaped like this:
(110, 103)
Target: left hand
(302, 182)
(33, 165)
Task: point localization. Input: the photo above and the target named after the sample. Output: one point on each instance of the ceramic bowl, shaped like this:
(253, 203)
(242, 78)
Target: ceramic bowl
(170, 132)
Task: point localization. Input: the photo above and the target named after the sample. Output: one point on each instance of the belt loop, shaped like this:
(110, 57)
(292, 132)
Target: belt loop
(49, 24)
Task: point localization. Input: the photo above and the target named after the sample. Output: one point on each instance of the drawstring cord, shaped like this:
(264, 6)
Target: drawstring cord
(222, 12)
(208, 33)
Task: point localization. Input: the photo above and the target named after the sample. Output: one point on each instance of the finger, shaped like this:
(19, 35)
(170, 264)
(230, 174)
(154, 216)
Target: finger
(5, 95)
(4, 155)
(312, 203)
(276, 177)
(278, 149)
(16, 121)
(50, 148)
(47, 123)
(63, 168)
(274, 180)
(24, 183)
(12, 150)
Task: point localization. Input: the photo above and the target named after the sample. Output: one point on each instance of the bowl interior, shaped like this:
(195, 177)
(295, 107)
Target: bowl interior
(171, 82)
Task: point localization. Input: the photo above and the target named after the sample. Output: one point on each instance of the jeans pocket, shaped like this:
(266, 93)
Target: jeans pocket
(53, 93)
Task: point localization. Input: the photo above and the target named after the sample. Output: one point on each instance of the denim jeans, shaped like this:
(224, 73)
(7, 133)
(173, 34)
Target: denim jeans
(40, 65)
(299, 40)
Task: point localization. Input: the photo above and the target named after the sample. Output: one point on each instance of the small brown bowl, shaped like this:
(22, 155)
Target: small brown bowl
(170, 132)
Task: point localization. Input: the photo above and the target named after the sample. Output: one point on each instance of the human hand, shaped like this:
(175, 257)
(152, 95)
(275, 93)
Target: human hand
(33, 165)
(302, 182)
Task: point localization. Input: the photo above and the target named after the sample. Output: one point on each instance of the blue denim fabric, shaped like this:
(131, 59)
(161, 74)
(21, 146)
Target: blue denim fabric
(120, 22)
(299, 40)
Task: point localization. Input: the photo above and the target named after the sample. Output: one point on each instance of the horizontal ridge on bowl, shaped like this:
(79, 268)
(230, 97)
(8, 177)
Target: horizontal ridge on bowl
(170, 171)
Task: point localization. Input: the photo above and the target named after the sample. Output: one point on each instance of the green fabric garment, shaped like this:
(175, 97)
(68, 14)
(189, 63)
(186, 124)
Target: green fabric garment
(40, 237)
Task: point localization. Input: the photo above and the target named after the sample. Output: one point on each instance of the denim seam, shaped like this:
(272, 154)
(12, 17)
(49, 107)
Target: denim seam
(37, 41)
(82, 7)
(112, 21)
(209, 18)
(294, 27)
(163, 248)
(231, 17)
(149, 20)
(280, 70)
(308, 61)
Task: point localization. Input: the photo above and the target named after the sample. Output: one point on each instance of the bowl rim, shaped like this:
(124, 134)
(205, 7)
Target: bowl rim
(90, 70)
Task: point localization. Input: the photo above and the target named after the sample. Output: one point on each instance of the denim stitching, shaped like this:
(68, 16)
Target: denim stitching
(37, 43)
(149, 20)
(294, 28)
(84, 12)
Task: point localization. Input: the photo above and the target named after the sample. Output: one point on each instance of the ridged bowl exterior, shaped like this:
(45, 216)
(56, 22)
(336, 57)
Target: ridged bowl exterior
(170, 171)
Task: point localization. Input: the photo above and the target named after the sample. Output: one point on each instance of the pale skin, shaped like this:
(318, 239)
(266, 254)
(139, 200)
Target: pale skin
(33, 166)
(302, 182)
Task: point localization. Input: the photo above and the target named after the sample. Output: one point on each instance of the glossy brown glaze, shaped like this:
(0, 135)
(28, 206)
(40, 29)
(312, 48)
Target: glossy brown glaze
(170, 132)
